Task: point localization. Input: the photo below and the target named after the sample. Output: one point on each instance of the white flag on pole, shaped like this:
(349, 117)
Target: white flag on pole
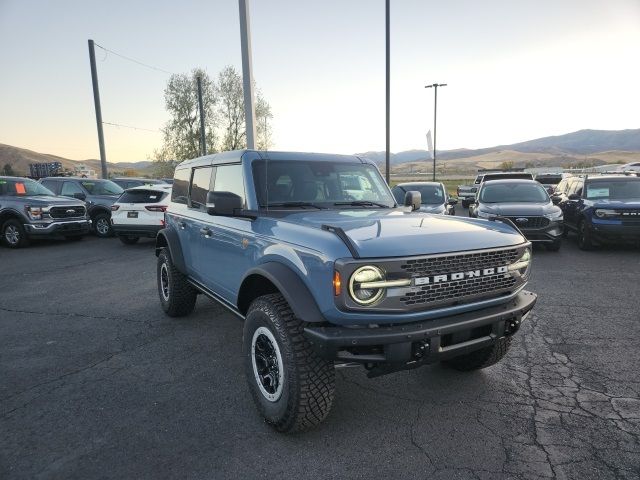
(430, 144)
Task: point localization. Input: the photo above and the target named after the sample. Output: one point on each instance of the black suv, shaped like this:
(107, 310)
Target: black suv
(99, 195)
(601, 208)
(527, 204)
(29, 210)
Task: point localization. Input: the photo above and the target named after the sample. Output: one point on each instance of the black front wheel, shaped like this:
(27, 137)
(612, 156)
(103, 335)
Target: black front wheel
(584, 237)
(291, 385)
(13, 234)
(102, 225)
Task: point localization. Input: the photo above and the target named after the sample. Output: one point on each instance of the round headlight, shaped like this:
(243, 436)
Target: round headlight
(364, 275)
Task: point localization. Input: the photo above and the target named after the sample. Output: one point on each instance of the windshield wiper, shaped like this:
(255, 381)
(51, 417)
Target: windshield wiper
(362, 203)
(292, 205)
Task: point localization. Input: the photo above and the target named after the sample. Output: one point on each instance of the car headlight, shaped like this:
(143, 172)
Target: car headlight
(362, 285)
(554, 215)
(34, 213)
(483, 214)
(605, 213)
(522, 264)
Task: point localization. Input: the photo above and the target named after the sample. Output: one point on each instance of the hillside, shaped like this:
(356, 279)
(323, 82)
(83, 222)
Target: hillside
(20, 158)
(576, 145)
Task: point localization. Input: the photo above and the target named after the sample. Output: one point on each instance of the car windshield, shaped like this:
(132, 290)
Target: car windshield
(549, 179)
(513, 193)
(429, 194)
(102, 187)
(308, 183)
(614, 190)
(22, 187)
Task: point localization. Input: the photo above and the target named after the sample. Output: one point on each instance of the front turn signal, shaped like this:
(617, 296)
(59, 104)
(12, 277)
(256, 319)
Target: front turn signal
(337, 284)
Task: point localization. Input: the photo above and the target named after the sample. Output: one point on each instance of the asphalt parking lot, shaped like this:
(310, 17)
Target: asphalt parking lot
(96, 382)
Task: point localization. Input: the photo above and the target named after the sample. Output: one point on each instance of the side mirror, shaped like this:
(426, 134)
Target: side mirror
(574, 196)
(223, 203)
(453, 201)
(413, 199)
(79, 196)
(555, 199)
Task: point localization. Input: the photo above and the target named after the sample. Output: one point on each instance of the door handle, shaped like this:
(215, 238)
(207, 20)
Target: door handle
(182, 225)
(206, 232)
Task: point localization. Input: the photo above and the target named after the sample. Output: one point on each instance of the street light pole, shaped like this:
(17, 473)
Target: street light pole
(435, 119)
(388, 93)
(247, 74)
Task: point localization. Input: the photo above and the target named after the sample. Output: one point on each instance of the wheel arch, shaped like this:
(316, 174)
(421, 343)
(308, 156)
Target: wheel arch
(274, 277)
(9, 214)
(168, 238)
(98, 209)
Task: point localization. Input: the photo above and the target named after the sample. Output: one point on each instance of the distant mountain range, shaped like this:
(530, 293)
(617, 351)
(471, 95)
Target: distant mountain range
(582, 142)
(592, 146)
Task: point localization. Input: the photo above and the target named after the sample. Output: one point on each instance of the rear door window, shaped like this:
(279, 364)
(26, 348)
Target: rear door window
(180, 190)
(200, 186)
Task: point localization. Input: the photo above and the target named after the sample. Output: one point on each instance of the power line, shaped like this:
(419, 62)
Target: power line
(132, 127)
(135, 61)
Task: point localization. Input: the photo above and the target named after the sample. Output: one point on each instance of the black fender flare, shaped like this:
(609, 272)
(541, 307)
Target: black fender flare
(168, 238)
(94, 210)
(12, 213)
(290, 285)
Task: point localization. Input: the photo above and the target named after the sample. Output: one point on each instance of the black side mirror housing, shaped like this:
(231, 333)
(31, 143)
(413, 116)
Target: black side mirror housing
(574, 196)
(555, 199)
(413, 199)
(223, 203)
(79, 196)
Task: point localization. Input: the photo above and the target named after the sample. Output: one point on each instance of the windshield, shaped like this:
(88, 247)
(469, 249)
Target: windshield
(513, 193)
(613, 190)
(429, 194)
(549, 179)
(301, 183)
(102, 187)
(22, 187)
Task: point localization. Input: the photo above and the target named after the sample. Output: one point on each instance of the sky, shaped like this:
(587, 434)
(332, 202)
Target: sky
(515, 69)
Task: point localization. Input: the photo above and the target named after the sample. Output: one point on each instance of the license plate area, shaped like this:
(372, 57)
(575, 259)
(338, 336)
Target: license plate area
(132, 214)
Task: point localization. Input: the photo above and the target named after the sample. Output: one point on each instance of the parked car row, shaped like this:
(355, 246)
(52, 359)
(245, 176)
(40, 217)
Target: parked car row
(61, 206)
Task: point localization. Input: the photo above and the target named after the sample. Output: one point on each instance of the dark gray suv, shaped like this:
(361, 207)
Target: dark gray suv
(526, 203)
(99, 195)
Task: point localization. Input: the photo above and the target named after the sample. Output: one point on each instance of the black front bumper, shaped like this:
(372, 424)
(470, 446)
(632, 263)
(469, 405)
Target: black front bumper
(399, 347)
(549, 234)
(615, 233)
(67, 228)
(124, 230)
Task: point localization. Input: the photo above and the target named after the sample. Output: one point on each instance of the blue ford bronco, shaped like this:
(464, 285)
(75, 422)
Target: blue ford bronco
(324, 276)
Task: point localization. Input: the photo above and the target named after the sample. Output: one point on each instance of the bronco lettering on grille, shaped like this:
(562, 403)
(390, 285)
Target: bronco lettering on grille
(459, 275)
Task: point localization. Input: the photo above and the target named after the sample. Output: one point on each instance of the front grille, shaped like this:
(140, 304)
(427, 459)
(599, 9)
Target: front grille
(454, 291)
(629, 217)
(424, 267)
(67, 212)
(530, 222)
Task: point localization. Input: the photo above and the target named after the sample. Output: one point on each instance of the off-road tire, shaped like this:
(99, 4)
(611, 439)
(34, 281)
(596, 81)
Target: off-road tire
(555, 246)
(481, 358)
(180, 297)
(13, 228)
(309, 380)
(128, 240)
(584, 237)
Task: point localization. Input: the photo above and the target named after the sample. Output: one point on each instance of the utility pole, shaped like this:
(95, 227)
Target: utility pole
(388, 93)
(435, 118)
(203, 139)
(247, 74)
(96, 101)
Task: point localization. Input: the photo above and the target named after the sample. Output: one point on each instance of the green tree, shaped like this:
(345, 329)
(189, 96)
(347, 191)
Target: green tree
(164, 163)
(182, 131)
(8, 170)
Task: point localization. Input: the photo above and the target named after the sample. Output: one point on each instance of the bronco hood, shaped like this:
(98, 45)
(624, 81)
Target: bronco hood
(397, 233)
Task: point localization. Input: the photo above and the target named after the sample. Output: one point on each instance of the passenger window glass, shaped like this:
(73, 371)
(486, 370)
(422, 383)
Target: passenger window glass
(70, 188)
(53, 186)
(180, 186)
(200, 186)
(229, 178)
